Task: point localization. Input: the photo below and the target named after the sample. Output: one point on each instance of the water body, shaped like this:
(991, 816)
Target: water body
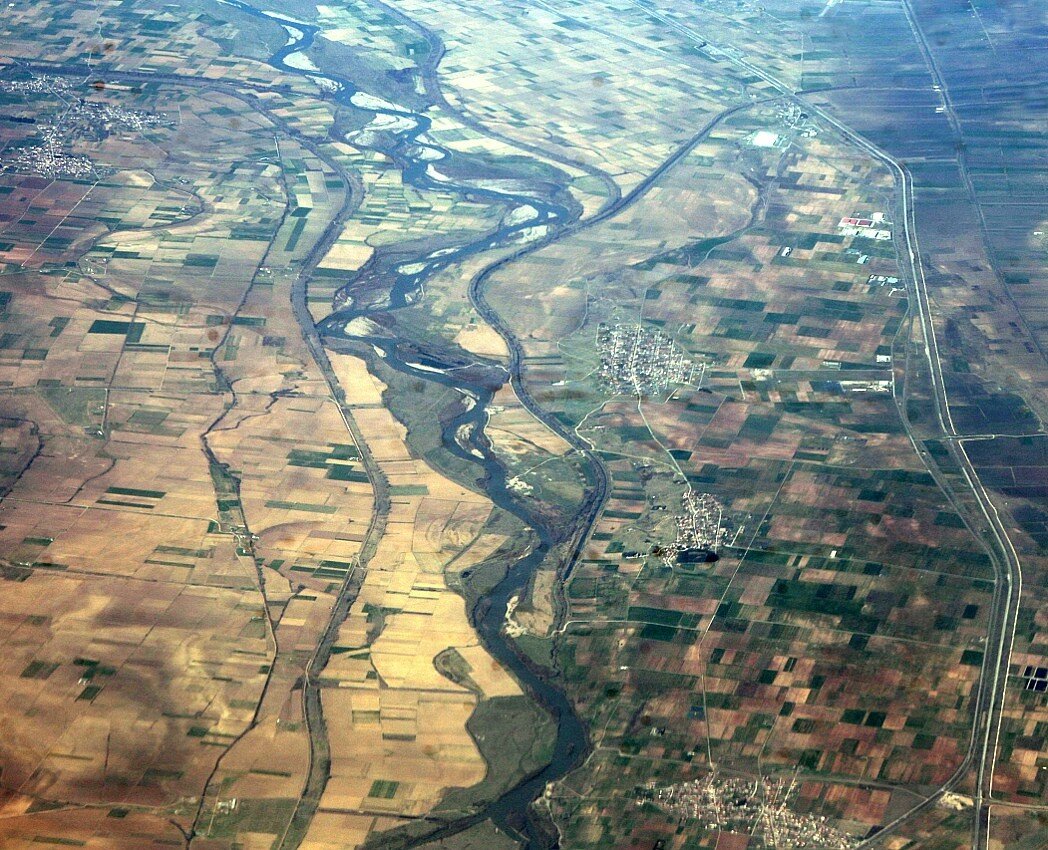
(401, 134)
(510, 810)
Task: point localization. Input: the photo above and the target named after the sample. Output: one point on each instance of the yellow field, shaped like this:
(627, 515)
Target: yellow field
(110, 689)
(139, 645)
(392, 718)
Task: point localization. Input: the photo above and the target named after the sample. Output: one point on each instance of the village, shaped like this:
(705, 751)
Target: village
(636, 360)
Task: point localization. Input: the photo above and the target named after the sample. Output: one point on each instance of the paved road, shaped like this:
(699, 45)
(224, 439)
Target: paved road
(991, 690)
(319, 762)
(962, 164)
(981, 753)
(599, 485)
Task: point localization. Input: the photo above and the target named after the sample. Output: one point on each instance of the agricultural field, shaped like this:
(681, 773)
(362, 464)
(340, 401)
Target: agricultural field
(526, 424)
(188, 490)
(840, 554)
(168, 588)
(403, 739)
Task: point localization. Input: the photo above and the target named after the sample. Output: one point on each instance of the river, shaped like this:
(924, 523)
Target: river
(401, 134)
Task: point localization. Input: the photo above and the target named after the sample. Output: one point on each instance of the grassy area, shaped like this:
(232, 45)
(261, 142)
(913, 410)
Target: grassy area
(423, 406)
(516, 738)
(450, 663)
(538, 649)
(76, 406)
(262, 815)
(483, 836)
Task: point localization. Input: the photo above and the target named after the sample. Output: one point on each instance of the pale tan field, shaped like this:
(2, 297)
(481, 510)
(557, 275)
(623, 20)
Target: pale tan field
(514, 430)
(338, 830)
(392, 717)
(138, 642)
(482, 340)
(110, 689)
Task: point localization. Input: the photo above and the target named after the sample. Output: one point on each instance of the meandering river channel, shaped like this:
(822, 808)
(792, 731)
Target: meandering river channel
(401, 134)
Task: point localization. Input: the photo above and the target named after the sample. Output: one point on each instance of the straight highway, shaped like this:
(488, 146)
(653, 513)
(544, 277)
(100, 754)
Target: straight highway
(980, 758)
(982, 751)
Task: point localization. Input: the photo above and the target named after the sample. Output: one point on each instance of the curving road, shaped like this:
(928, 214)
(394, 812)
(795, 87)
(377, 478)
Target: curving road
(989, 697)
(598, 493)
(981, 753)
